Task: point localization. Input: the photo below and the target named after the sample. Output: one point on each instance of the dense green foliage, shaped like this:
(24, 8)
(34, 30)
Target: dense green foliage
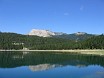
(18, 41)
(75, 36)
(96, 42)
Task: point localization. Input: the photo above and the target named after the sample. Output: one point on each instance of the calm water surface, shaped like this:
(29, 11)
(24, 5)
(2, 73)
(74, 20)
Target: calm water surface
(50, 65)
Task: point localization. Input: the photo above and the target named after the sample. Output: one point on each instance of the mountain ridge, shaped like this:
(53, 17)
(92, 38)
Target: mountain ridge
(74, 36)
(9, 41)
(41, 33)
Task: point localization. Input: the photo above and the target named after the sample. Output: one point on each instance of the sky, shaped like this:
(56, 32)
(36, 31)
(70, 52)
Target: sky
(68, 16)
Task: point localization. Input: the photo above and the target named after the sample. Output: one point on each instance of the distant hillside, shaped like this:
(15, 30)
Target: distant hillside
(75, 36)
(95, 42)
(46, 33)
(19, 41)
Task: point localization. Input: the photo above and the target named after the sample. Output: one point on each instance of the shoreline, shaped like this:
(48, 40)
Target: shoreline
(90, 52)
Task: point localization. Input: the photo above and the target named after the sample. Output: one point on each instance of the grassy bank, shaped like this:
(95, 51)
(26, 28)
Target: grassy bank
(92, 52)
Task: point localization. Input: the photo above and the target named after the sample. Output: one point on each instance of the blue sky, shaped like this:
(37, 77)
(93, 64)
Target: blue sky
(67, 16)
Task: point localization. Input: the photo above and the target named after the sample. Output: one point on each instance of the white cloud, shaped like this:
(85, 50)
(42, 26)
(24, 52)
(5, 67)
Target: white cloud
(66, 14)
(81, 8)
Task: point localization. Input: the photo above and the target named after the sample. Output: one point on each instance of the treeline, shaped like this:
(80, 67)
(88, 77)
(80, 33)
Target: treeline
(9, 40)
(18, 41)
(96, 42)
(75, 36)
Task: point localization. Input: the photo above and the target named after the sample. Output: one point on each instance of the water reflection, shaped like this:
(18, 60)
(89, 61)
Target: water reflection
(42, 67)
(50, 65)
(39, 61)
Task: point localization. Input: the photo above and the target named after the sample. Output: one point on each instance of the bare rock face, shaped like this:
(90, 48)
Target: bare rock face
(80, 33)
(41, 33)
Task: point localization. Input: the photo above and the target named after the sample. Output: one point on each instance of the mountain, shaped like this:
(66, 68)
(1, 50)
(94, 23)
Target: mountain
(9, 41)
(80, 33)
(59, 33)
(75, 36)
(41, 33)
(46, 33)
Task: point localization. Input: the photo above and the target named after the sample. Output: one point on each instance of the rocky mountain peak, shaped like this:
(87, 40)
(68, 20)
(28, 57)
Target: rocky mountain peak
(41, 33)
(80, 33)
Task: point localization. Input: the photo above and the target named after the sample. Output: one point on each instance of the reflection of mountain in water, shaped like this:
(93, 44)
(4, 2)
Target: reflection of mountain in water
(45, 60)
(42, 67)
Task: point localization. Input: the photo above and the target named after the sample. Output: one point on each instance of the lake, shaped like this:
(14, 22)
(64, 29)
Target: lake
(50, 65)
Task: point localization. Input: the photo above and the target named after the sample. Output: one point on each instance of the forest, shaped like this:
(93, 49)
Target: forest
(14, 41)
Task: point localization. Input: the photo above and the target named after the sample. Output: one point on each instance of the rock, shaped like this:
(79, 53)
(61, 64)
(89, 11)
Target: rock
(41, 33)
(80, 33)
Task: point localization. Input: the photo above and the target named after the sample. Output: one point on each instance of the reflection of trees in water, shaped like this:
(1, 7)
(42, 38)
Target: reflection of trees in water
(15, 59)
